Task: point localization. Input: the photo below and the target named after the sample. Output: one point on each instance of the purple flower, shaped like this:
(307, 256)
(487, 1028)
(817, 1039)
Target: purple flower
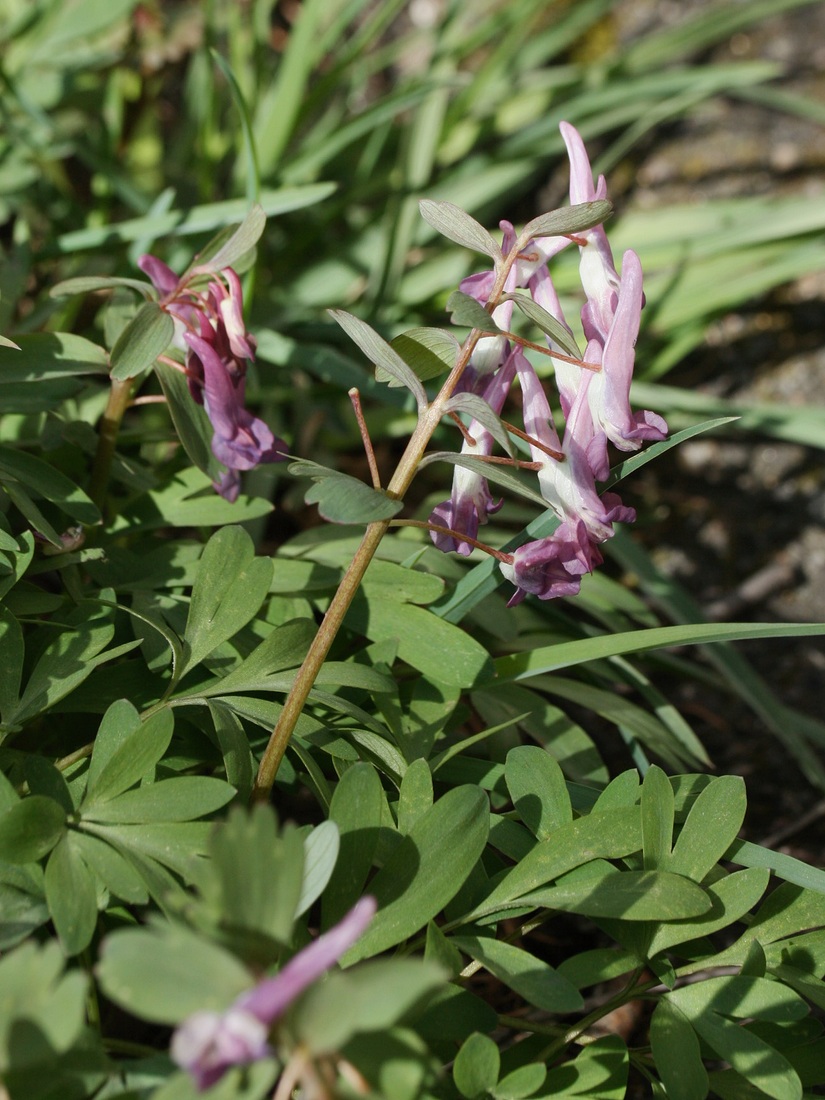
(209, 327)
(207, 1044)
(552, 566)
(597, 272)
(471, 501)
(609, 391)
(240, 440)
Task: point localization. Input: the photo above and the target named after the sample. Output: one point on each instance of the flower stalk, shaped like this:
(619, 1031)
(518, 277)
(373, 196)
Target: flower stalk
(399, 484)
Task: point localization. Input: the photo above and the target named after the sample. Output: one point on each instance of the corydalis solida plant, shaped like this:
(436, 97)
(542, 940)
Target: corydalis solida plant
(483, 367)
(209, 328)
(594, 401)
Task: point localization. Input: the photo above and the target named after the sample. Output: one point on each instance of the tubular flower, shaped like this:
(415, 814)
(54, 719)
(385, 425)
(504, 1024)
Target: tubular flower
(471, 501)
(207, 1044)
(209, 328)
(595, 402)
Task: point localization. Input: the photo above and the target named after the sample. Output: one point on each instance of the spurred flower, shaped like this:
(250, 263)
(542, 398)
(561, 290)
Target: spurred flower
(209, 327)
(207, 1044)
(595, 401)
(471, 502)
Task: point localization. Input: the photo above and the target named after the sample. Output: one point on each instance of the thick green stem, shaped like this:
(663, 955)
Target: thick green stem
(428, 420)
(107, 439)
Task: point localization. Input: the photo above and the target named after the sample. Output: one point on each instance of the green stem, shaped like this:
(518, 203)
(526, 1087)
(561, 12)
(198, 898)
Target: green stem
(399, 484)
(107, 439)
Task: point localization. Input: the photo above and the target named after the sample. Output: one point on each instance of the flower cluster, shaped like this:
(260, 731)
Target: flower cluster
(207, 1044)
(209, 328)
(594, 396)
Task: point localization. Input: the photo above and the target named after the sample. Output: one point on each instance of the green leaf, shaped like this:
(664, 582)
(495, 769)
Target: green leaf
(494, 472)
(598, 1073)
(49, 483)
(657, 820)
(568, 219)
(344, 499)
(753, 1058)
(51, 355)
(115, 873)
(321, 848)
(390, 581)
(426, 870)
(381, 354)
(371, 997)
(234, 745)
(439, 650)
(242, 240)
(183, 798)
(457, 225)
(147, 336)
(192, 424)
(521, 1082)
(521, 666)
(415, 796)
(284, 648)
(167, 973)
(136, 755)
(538, 790)
(357, 809)
(71, 896)
(469, 313)
(476, 1067)
(119, 722)
(480, 411)
(88, 284)
(530, 977)
(602, 891)
(11, 661)
(69, 659)
(36, 994)
(558, 332)
(429, 352)
(740, 997)
(20, 561)
(229, 589)
(712, 824)
(601, 964)
(257, 878)
(677, 1054)
(731, 897)
(31, 828)
(197, 219)
(607, 835)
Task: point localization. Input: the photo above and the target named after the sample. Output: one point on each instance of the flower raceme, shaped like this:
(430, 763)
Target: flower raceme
(594, 401)
(209, 328)
(207, 1044)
